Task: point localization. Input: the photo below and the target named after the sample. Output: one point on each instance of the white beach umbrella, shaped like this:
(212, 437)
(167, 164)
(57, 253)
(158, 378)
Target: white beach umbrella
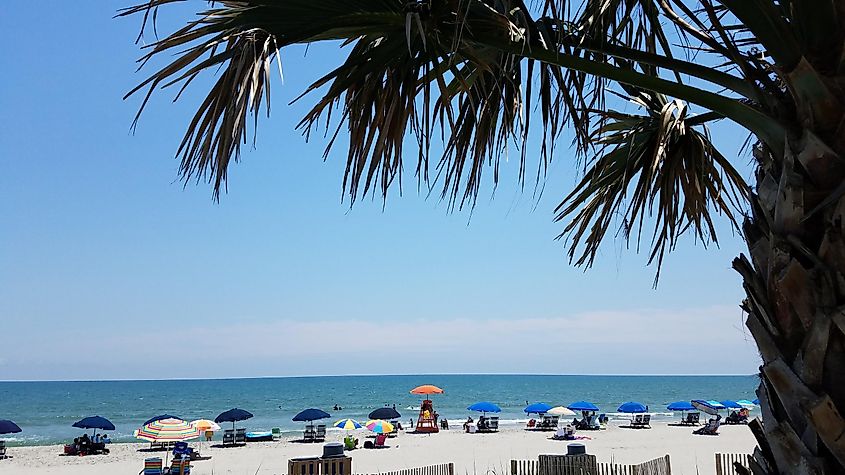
(561, 411)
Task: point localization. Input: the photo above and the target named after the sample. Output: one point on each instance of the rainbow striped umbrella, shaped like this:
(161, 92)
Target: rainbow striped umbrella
(347, 424)
(167, 430)
(380, 427)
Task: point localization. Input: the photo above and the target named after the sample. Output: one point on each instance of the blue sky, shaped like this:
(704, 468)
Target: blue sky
(102, 250)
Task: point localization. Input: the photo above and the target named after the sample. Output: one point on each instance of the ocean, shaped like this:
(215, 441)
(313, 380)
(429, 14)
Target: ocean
(46, 410)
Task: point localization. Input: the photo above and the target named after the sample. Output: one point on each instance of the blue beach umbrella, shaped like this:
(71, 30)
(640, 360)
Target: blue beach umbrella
(756, 401)
(94, 422)
(8, 427)
(309, 415)
(583, 406)
(159, 418)
(537, 408)
(680, 406)
(385, 414)
(631, 407)
(485, 406)
(731, 404)
(233, 415)
(745, 403)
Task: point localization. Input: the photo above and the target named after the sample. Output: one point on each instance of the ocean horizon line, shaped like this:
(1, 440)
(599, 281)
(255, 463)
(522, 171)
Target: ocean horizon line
(354, 375)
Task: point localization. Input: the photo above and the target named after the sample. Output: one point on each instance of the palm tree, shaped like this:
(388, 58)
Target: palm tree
(472, 77)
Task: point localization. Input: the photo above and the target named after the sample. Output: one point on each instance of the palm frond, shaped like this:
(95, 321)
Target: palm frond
(656, 169)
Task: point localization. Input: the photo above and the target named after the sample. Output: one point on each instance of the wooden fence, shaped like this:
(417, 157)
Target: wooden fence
(442, 469)
(587, 465)
(725, 463)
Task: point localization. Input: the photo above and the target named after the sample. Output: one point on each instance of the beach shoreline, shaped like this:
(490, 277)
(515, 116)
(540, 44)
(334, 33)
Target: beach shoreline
(471, 453)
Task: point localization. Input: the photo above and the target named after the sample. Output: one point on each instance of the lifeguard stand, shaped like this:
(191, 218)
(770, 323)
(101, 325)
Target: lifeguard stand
(427, 420)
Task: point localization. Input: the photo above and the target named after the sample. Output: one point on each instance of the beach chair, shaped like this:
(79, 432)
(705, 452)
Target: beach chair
(152, 466)
(228, 437)
(276, 433)
(2, 449)
(692, 419)
(493, 424)
(310, 434)
(180, 466)
(549, 423)
(380, 440)
(711, 428)
(240, 436)
(637, 420)
(320, 435)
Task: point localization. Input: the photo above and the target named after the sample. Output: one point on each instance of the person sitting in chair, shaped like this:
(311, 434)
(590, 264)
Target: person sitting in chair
(350, 443)
(467, 424)
(482, 423)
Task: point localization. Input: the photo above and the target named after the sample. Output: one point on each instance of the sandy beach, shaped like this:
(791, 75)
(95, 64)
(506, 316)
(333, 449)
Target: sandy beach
(471, 453)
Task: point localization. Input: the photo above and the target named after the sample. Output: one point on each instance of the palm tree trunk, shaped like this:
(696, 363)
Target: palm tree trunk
(795, 287)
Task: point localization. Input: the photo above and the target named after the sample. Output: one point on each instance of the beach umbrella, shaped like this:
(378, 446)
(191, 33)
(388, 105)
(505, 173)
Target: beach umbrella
(709, 407)
(731, 404)
(632, 407)
(233, 415)
(380, 427)
(583, 406)
(484, 406)
(167, 430)
(385, 414)
(680, 406)
(746, 403)
(94, 422)
(756, 402)
(560, 411)
(309, 415)
(348, 424)
(204, 425)
(427, 389)
(8, 427)
(163, 416)
(537, 408)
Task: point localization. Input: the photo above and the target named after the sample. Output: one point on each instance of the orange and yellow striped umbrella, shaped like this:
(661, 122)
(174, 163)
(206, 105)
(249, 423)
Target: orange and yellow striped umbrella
(205, 425)
(167, 430)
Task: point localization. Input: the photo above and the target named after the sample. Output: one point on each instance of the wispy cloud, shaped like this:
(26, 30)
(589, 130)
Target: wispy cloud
(709, 340)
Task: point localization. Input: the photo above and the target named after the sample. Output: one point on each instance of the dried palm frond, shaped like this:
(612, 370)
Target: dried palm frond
(656, 169)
